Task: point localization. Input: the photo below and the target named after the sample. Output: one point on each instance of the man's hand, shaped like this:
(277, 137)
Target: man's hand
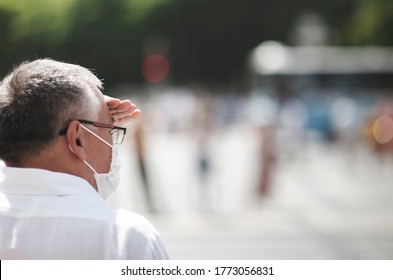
(122, 111)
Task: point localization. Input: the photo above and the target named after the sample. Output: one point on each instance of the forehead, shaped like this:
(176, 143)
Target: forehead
(104, 115)
(98, 99)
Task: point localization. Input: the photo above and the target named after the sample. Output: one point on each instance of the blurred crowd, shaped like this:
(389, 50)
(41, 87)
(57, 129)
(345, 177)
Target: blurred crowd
(265, 131)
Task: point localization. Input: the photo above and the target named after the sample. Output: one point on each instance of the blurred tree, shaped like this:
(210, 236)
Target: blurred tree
(371, 24)
(99, 34)
(205, 40)
(5, 20)
(31, 29)
(102, 37)
(210, 39)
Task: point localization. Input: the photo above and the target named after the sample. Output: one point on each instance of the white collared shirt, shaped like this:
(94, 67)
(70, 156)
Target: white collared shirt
(50, 215)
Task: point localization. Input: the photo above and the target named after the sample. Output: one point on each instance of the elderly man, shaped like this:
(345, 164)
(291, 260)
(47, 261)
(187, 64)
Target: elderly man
(59, 140)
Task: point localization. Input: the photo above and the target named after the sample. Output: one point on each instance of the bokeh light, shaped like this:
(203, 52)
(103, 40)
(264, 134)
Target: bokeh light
(155, 68)
(383, 129)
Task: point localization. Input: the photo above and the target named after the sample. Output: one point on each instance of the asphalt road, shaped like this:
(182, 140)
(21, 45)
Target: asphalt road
(325, 202)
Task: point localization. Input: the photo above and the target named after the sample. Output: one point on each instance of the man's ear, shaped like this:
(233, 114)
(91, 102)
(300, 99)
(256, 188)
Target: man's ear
(75, 140)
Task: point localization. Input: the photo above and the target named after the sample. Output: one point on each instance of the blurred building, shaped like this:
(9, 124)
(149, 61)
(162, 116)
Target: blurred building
(320, 76)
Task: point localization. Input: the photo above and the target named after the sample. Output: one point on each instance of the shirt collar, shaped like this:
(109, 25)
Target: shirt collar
(32, 181)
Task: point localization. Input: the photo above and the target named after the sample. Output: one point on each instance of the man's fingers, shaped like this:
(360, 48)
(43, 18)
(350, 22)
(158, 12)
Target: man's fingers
(122, 114)
(123, 106)
(112, 102)
(122, 111)
(124, 117)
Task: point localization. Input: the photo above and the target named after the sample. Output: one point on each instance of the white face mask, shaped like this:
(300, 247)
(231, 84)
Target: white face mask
(107, 183)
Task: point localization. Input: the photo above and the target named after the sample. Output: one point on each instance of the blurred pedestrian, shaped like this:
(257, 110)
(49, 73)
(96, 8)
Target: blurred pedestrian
(203, 126)
(139, 143)
(262, 111)
(59, 140)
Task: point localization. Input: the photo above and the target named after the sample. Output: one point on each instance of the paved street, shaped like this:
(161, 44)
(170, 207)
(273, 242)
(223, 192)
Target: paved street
(326, 202)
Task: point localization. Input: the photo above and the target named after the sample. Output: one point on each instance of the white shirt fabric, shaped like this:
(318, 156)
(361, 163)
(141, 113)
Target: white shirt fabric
(49, 215)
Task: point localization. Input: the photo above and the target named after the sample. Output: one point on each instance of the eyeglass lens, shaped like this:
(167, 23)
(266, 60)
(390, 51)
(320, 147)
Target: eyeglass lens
(117, 136)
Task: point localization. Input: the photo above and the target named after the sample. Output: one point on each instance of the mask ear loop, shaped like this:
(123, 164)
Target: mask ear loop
(88, 165)
(97, 136)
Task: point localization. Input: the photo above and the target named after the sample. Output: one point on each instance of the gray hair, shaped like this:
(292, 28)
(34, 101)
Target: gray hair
(37, 100)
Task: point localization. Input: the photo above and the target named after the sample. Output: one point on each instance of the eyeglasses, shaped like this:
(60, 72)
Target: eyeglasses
(117, 132)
